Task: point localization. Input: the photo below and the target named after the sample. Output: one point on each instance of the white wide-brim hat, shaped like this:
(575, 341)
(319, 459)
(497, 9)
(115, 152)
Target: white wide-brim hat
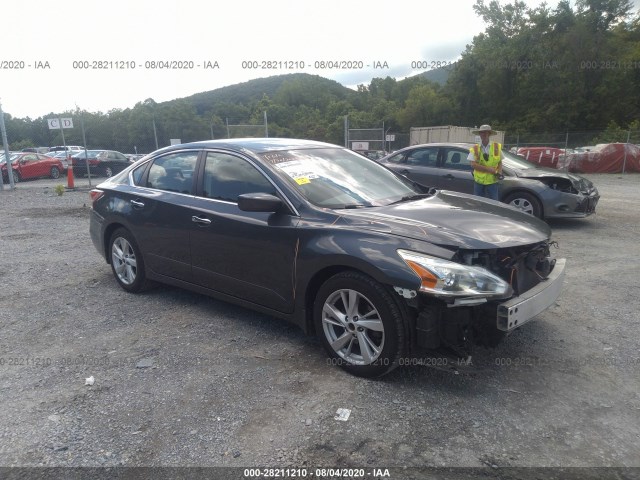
(484, 128)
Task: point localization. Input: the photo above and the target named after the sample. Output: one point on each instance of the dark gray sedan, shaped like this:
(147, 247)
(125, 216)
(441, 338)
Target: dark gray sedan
(543, 192)
(99, 162)
(375, 265)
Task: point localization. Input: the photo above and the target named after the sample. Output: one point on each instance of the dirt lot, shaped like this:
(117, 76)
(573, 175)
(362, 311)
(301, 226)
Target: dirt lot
(185, 380)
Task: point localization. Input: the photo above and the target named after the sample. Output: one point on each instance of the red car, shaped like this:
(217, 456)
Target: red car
(32, 165)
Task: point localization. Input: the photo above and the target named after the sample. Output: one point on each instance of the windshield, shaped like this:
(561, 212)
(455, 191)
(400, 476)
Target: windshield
(516, 162)
(90, 154)
(339, 178)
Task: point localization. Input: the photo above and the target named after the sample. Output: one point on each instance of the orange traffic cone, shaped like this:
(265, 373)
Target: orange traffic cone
(70, 183)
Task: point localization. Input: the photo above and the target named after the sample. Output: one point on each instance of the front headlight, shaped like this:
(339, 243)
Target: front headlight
(442, 277)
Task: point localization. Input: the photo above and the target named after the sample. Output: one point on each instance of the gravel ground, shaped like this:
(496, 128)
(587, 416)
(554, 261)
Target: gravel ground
(185, 380)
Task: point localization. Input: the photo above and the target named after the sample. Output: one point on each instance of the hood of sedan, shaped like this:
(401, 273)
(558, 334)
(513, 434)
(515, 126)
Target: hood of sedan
(451, 219)
(544, 173)
(582, 184)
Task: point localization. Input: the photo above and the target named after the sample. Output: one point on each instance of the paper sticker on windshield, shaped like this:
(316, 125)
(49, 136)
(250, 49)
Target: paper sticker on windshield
(302, 180)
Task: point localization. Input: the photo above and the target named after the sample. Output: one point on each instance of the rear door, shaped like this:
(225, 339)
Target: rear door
(117, 161)
(159, 212)
(44, 165)
(454, 170)
(419, 164)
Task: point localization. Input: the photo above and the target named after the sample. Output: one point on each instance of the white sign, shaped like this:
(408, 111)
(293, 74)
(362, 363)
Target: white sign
(390, 138)
(175, 141)
(55, 123)
(359, 145)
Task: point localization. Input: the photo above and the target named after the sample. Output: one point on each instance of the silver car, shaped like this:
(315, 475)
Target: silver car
(543, 192)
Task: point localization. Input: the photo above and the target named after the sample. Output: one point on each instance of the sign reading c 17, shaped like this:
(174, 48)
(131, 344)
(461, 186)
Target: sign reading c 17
(55, 123)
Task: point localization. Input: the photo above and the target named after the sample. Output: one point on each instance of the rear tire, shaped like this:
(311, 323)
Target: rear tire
(126, 260)
(360, 324)
(55, 172)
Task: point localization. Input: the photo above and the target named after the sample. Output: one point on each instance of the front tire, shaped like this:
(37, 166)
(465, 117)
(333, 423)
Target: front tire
(526, 202)
(108, 172)
(127, 263)
(360, 324)
(55, 172)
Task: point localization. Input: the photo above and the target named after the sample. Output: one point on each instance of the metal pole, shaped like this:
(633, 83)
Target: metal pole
(626, 147)
(155, 134)
(84, 142)
(266, 126)
(385, 143)
(5, 142)
(566, 145)
(64, 144)
(227, 120)
(346, 131)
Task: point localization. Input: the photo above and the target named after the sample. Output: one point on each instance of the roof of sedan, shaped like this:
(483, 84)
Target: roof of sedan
(257, 145)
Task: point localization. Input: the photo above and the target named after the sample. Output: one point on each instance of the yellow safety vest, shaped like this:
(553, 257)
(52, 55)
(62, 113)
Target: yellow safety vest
(493, 161)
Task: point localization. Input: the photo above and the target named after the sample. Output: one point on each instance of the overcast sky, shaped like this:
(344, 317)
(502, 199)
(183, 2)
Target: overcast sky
(134, 40)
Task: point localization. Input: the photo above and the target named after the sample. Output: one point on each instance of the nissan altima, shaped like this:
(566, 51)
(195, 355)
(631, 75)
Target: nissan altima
(378, 267)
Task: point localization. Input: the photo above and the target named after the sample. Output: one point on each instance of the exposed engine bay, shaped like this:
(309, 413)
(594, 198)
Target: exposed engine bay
(443, 324)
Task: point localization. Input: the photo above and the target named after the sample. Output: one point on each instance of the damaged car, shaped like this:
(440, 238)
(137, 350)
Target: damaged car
(380, 268)
(542, 192)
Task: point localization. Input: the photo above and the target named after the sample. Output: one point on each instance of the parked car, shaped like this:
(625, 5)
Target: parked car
(63, 148)
(542, 192)
(2, 155)
(42, 150)
(374, 264)
(26, 165)
(101, 162)
(372, 154)
(64, 157)
(133, 157)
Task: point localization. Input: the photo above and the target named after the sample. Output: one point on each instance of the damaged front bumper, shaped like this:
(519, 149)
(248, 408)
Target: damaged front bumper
(523, 308)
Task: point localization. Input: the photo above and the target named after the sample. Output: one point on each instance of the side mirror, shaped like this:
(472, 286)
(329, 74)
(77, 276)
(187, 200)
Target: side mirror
(259, 202)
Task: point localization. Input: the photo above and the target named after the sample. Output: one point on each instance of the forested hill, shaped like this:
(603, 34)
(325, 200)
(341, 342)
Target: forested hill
(254, 90)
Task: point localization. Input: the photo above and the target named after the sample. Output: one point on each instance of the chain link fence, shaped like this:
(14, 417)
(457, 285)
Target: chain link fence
(570, 140)
(614, 150)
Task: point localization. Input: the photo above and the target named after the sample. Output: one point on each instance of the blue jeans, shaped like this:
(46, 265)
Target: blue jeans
(489, 191)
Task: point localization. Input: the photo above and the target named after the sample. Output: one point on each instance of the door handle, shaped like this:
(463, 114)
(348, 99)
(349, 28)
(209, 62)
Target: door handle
(200, 220)
(136, 204)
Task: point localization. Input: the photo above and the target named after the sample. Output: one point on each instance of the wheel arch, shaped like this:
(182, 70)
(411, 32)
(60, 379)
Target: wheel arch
(108, 231)
(311, 290)
(321, 276)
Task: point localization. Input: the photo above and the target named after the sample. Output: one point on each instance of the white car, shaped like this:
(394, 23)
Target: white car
(63, 156)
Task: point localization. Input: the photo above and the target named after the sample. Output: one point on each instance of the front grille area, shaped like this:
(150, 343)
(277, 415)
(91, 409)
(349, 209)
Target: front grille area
(522, 267)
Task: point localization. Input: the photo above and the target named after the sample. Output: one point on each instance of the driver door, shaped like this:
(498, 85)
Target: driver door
(242, 254)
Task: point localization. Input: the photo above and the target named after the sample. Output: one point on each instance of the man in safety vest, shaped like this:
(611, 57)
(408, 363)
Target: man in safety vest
(486, 160)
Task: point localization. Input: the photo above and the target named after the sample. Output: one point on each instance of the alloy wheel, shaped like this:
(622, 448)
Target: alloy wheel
(353, 327)
(124, 261)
